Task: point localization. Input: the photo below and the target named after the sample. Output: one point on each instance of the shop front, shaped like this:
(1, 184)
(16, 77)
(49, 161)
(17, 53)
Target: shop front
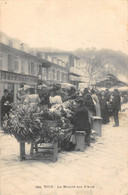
(11, 81)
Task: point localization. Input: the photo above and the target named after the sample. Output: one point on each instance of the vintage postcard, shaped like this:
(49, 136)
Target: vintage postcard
(63, 97)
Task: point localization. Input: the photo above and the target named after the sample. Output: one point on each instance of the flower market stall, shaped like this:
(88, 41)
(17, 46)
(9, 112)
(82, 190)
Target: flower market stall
(51, 121)
(51, 126)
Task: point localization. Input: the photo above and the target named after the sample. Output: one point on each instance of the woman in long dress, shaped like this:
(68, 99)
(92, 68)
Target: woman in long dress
(104, 108)
(89, 103)
(96, 103)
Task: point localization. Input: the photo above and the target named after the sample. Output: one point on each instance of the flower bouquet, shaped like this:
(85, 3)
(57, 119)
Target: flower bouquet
(30, 125)
(22, 124)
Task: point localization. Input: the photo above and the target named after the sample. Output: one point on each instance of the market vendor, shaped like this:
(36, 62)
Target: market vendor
(81, 120)
(44, 93)
(104, 107)
(72, 94)
(64, 94)
(88, 101)
(96, 102)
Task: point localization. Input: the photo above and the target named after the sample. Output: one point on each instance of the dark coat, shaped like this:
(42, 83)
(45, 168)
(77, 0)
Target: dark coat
(88, 102)
(81, 122)
(116, 104)
(5, 108)
(44, 94)
(104, 109)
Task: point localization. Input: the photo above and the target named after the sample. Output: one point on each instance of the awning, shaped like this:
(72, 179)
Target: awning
(74, 78)
(46, 64)
(74, 74)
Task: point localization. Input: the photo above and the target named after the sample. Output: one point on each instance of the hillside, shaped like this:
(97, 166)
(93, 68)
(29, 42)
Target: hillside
(98, 63)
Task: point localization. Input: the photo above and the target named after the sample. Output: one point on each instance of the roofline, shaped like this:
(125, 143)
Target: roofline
(114, 78)
(64, 53)
(49, 64)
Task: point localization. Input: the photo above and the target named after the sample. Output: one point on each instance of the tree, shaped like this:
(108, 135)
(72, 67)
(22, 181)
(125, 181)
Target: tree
(97, 64)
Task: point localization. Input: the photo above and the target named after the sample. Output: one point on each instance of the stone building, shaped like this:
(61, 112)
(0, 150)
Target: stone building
(21, 64)
(65, 60)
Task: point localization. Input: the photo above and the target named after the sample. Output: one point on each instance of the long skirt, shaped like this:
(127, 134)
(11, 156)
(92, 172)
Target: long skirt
(97, 107)
(104, 115)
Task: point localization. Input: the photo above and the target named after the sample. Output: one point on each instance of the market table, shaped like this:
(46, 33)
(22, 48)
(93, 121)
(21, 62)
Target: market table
(44, 151)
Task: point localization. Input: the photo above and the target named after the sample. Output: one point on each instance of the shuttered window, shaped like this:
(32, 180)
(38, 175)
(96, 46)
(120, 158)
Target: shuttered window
(10, 63)
(16, 65)
(58, 75)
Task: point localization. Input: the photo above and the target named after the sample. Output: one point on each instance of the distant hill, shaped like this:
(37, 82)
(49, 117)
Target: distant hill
(99, 63)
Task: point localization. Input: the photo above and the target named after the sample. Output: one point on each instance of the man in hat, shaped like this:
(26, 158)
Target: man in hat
(5, 104)
(116, 105)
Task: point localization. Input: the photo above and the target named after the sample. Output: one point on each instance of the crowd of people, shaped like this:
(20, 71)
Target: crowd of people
(91, 102)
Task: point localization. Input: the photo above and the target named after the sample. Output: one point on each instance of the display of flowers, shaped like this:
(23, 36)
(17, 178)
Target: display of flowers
(29, 124)
(65, 109)
(22, 124)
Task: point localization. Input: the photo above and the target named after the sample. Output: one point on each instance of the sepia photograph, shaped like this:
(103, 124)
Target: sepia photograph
(63, 97)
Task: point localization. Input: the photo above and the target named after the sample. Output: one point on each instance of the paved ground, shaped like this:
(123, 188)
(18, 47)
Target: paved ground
(100, 170)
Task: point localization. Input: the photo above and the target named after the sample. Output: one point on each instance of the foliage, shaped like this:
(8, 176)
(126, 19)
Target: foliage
(27, 124)
(22, 124)
(98, 63)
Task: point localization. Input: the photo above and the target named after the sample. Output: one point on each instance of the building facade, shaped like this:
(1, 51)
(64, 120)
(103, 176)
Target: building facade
(65, 60)
(21, 64)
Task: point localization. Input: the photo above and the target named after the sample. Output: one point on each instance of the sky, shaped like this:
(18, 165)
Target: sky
(67, 24)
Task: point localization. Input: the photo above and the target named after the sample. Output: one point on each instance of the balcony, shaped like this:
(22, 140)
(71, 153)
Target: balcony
(17, 78)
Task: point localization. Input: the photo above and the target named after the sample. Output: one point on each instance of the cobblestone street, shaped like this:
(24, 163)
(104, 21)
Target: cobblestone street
(100, 170)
